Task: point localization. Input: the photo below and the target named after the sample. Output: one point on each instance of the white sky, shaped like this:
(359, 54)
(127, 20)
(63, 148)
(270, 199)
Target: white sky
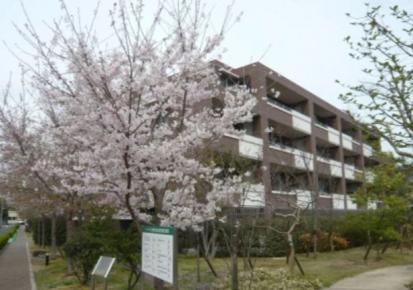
(301, 39)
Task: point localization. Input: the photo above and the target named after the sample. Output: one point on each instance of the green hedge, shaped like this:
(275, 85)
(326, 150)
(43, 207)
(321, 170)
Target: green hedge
(37, 225)
(4, 238)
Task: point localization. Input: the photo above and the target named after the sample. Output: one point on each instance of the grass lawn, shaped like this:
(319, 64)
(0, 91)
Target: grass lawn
(328, 267)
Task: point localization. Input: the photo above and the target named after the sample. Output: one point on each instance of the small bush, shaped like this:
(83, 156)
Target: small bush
(378, 226)
(4, 238)
(262, 279)
(35, 226)
(84, 249)
(324, 241)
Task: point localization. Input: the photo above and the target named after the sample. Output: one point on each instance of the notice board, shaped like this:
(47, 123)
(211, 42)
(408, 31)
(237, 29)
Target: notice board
(159, 252)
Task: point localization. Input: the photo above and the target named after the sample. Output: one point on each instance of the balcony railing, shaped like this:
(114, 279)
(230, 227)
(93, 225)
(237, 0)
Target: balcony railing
(302, 160)
(335, 166)
(351, 172)
(351, 203)
(253, 196)
(340, 201)
(367, 150)
(372, 204)
(333, 135)
(369, 176)
(250, 146)
(347, 141)
(301, 122)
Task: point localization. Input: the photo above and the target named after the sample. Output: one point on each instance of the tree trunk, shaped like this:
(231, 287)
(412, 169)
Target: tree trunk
(291, 256)
(198, 270)
(369, 246)
(1, 212)
(70, 227)
(384, 249)
(315, 245)
(39, 232)
(53, 235)
(203, 254)
(43, 239)
(158, 283)
(234, 242)
(331, 241)
(234, 271)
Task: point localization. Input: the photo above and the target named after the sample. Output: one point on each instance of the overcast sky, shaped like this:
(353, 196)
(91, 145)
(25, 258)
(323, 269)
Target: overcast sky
(301, 39)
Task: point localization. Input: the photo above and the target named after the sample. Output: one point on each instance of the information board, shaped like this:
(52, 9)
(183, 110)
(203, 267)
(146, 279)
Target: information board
(103, 266)
(159, 252)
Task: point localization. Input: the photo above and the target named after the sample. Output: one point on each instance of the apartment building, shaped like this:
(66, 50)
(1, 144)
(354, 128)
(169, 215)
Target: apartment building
(314, 154)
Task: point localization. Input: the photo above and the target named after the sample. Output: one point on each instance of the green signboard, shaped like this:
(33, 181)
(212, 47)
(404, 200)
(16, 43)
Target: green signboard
(159, 230)
(159, 252)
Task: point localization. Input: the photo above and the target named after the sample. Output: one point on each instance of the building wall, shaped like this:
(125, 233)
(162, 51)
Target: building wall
(308, 136)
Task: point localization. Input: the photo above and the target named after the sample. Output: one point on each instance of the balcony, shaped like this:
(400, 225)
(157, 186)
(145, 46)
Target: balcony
(347, 141)
(335, 166)
(304, 198)
(372, 204)
(367, 150)
(253, 196)
(300, 121)
(369, 176)
(333, 136)
(357, 146)
(351, 204)
(340, 200)
(250, 147)
(351, 172)
(302, 160)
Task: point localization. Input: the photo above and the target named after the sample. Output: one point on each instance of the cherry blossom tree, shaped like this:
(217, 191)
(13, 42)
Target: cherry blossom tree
(127, 117)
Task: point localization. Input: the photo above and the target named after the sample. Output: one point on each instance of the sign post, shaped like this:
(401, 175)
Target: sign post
(102, 269)
(159, 251)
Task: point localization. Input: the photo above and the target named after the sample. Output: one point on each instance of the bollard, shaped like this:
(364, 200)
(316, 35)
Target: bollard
(46, 259)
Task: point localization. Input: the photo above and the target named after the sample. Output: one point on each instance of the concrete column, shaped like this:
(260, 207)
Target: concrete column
(342, 182)
(360, 158)
(258, 83)
(313, 150)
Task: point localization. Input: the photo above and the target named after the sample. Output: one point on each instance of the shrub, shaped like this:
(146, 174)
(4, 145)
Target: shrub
(124, 245)
(324, 240)
(35, 227)
(84, 250)
(4, 238)
(376, 226)
(262, 279)
(90, 241)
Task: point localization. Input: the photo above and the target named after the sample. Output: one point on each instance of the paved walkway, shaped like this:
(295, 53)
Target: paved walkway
(391, 278)
(15, 270)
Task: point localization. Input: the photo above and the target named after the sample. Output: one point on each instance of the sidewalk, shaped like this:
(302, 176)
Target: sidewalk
(14, 265)
(391, 278)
